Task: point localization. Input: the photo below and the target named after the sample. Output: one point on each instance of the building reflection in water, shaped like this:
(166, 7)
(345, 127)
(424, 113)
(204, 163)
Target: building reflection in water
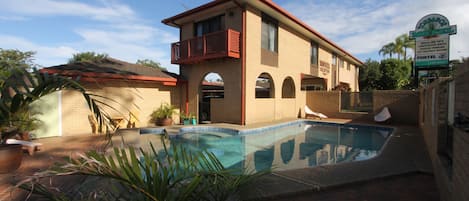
(291, 147)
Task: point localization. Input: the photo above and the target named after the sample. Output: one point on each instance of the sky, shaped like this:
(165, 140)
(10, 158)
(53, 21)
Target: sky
(131, 29)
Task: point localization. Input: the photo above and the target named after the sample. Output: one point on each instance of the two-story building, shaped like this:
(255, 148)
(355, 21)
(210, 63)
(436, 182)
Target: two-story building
(266, 57)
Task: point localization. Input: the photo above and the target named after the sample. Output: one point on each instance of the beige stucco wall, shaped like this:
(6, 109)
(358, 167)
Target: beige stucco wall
(291, 63)
(349, 76)
(139, 98)
(293, 59)
(325, 71)
(227, 109)
(403, 105)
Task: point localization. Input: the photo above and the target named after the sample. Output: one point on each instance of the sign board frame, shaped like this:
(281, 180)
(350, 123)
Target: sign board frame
(432, 42)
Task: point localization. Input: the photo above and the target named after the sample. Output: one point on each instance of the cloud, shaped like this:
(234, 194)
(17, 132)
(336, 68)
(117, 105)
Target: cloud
(13, 18)
(123, 44)
(129, 42)
(110, 11)
(115, 29)
(363, 27)
(45, 55)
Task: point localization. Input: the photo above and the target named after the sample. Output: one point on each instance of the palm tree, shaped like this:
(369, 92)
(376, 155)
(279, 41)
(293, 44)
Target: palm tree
(407, 43)
(22, 88)
(399, 47)
(387, 49)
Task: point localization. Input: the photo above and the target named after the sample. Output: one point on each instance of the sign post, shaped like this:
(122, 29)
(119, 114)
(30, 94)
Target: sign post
(431, 36)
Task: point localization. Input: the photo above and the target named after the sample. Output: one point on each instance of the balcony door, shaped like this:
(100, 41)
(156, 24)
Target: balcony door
(210, 25)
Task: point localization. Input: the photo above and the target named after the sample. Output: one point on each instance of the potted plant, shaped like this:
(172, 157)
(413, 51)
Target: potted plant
(193, 119)
(11, 155)
(185, 119)
(163, 115)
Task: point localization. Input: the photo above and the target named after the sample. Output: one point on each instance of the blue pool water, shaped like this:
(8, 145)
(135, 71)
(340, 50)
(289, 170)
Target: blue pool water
(300, 145)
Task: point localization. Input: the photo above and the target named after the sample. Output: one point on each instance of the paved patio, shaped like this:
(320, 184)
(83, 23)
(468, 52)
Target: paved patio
(403, 164)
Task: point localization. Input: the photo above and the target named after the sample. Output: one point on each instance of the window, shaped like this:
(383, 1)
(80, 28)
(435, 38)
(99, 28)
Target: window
(313, 84)
(334, 76)
(265, 86)
(288, 88)
(341, 63)
(334, 60)
(348, 66)
(314, 53)
(210, 25)
(269, 33)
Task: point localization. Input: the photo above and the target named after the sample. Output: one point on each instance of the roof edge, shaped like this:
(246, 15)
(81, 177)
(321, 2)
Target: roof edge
(170, 21)
(107, 75)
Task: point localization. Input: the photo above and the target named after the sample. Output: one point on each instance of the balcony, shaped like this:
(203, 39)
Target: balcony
(222, 44)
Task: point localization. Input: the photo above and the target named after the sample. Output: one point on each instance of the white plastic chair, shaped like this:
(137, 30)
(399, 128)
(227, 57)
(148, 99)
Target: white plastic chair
(383, 115)
(309, 112)
(30, 146)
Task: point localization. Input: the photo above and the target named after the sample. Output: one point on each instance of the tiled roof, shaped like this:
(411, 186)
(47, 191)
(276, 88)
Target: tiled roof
(110, 66)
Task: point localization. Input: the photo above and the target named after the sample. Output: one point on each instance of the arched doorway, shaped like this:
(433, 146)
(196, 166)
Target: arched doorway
(212, 86)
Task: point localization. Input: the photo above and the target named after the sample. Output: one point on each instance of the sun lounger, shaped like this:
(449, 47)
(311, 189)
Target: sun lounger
(309, 112)
(383, 116)
(31, 147)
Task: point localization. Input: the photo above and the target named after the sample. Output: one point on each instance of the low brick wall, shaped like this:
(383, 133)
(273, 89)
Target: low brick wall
(451, 173)
(403, 105)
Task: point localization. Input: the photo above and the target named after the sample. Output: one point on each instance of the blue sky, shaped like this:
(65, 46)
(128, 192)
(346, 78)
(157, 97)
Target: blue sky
(132, 29)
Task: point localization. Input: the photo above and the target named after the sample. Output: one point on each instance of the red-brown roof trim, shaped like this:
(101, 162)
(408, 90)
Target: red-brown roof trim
(108, 76)
(167, 21)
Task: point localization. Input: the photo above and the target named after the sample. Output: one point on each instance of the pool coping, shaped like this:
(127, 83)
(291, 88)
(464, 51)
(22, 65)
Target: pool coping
(245, 131)
(252, 131)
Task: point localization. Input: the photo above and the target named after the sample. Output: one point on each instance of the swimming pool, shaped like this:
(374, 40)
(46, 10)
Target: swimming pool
(295, 145)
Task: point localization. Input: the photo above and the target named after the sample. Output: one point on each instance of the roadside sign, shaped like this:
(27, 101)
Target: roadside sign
(432, 41)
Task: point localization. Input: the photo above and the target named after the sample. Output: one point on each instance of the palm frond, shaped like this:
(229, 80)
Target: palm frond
(173, 173)
(23, 88)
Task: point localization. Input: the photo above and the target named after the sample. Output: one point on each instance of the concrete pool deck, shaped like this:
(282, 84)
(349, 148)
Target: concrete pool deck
(404, 154)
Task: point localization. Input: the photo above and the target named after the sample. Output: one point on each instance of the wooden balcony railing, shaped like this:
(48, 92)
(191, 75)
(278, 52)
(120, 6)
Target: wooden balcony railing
(215, 45)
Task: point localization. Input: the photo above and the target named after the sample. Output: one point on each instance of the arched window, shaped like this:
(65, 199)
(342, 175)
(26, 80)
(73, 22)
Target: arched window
(288, 88)
(265, 86)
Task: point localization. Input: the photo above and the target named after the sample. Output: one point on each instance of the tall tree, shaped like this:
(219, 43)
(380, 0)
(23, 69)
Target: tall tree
(387, 49)
(398, 47)
(408, 43)
(389, 74)
(151, 63)
(14, 59)
(369, 76)
(87, 57)
(395, 74)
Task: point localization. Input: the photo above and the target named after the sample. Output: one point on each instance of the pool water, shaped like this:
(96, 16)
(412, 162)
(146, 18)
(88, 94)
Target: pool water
(290, 147)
